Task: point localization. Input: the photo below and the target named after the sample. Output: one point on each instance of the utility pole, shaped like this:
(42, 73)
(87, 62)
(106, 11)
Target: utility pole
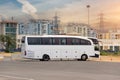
(56, 23)
(101, 24)
(88, 7)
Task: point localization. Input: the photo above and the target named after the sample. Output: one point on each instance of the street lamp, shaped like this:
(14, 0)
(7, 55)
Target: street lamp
(88, 6)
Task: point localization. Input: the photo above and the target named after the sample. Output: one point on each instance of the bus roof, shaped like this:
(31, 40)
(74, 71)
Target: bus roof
(69, 36)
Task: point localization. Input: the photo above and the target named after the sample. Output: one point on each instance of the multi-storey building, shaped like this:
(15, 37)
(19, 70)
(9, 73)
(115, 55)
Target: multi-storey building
(79, 29)
(110, 40)
(43, 27)
(35, 27)
(8, 28)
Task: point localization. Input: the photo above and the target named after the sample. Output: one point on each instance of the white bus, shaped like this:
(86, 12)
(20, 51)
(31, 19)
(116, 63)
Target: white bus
(49, 47)
(96, 46)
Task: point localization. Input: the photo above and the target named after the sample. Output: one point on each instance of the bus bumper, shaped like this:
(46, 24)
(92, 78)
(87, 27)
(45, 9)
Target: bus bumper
(96, 56)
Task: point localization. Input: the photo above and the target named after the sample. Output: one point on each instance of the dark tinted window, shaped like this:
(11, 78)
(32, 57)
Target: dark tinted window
(85, 42)
(62, 41)
(69, 41)
(95, 41)
(75, 41)
(46, 41)
(57, 41)
(34, 41)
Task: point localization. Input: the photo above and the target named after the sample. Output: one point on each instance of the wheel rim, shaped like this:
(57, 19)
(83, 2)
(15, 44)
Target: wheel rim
(46, 58)
(84, 57)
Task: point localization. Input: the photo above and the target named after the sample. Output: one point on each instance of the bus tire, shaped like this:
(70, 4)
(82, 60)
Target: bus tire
(84, 57)
(46, 57)
(41, 59)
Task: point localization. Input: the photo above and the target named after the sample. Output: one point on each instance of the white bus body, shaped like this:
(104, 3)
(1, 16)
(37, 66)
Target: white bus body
(96, 46)
(57, 47)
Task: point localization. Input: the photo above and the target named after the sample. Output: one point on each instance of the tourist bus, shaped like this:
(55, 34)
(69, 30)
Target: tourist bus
(48, 47)
(96, 46)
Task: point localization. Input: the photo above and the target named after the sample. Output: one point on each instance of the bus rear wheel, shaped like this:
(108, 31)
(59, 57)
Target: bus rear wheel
(46, 57)
(84, 57)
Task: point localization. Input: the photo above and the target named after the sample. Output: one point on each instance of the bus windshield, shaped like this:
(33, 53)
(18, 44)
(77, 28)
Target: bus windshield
(96, 43)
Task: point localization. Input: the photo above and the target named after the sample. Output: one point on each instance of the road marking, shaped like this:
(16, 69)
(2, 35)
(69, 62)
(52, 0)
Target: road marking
(15, 77)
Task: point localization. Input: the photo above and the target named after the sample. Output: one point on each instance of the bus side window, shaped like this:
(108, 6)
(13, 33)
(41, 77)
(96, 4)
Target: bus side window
(55, 41)
(62, 41)
(85, 42)
(75, 41)
(69, 41)
(34, 41)
(88, 42)
(95, 41)
(46, 41)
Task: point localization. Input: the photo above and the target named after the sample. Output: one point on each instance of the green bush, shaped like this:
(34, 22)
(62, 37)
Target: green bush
(103, 53)
(117, 53)
(107, 53)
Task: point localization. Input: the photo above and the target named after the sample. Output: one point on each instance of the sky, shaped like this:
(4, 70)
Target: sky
(67, 10)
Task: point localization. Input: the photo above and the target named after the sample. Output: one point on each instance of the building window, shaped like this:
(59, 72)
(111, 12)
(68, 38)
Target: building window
(7, 24)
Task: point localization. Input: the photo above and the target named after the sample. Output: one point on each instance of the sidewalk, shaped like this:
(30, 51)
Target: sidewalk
(1, 57)
(10, 56)
(17, 56)
(107, 58)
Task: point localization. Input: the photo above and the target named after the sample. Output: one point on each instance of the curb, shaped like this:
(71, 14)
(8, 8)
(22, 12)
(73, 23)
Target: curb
(1, 57)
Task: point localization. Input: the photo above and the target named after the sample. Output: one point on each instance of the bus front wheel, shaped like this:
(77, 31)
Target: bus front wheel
(84, 57)
(46, 57)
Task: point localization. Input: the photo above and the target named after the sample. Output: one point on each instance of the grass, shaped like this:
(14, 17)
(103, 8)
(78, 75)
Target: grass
(106, 53)
(8, 54)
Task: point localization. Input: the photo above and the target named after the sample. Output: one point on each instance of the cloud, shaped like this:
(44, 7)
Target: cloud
(69, 12)
(28, 8)
(9, 9)
(46, 5)
(46, 8)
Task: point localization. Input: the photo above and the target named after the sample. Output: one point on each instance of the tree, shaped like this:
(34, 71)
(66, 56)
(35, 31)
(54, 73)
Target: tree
(8, 42)
(2, 41)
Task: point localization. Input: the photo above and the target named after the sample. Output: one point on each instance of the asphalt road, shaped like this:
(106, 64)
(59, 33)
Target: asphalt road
(59, 70)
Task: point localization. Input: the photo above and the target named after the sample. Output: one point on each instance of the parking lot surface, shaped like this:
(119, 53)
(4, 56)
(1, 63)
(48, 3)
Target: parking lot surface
(59, 70)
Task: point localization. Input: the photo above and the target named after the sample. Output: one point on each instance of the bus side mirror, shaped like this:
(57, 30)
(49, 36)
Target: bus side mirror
(22, 41)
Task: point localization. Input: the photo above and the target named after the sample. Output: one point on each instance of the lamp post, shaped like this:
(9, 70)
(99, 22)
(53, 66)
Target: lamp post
(88, 6)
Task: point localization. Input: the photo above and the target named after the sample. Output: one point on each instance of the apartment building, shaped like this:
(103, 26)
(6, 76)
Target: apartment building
(110, 40)
(79, 29)
(43, 27)
(8, 27)
(35, 27)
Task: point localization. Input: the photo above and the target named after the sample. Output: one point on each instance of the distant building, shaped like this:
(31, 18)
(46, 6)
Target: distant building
(36, 27)
(79, 29)
(56, 24)
(110, 40)
(8, 27)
